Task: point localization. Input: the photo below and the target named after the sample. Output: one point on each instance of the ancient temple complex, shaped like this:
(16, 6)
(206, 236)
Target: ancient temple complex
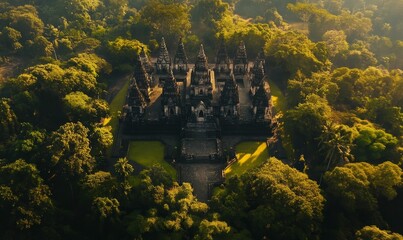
(197, 101)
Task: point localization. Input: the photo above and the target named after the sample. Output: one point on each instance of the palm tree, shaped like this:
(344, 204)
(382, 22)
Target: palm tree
(336, 143)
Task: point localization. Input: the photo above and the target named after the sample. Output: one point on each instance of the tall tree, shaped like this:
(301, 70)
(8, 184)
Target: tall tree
(274, 201)
(24, 199)
(70, 152)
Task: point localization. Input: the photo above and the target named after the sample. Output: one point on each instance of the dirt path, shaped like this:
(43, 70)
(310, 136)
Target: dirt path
(9, 68)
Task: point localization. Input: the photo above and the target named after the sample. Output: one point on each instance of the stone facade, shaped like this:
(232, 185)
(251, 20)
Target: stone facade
(200, 105)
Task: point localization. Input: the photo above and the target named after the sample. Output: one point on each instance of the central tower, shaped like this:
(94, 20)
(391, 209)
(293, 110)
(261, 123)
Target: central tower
(201, 88)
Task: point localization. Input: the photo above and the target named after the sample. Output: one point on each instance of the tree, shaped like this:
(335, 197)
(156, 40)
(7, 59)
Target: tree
(101, 139)
(10, 39)
(336, 141)
(8, 120)
(90, 63)
(374, 145)
(80, 107)
(123, 170)
(106, 207)
(24, 198)
(125, 50)
(353, 192)
(373, 232)
(167, 210)
(274, 201)
(25, 19)
(290, 52)
(41, 47)
(100, 184)
(335, 42)
(209, 230)
(303, 126)
(29, 144)
(70, 152)
(170, 20)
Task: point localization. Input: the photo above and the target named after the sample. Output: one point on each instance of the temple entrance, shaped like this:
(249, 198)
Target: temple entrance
(201, 114)
(171, 111)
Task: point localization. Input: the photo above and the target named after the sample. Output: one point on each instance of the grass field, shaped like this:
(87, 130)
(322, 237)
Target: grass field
(277, 97)
(116, 106)
(149, 153)
(250, 155)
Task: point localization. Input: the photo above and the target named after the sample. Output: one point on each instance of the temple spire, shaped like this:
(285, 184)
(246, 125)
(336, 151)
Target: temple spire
(258, 75)
(170, 89)
(135, 97)
(241, 60)
(201, 61)
(146, 61)
(241, 55)
(180, 59)
(163, 63)
(180, 55)
(222, 59)
(142, 78)
(229, 94)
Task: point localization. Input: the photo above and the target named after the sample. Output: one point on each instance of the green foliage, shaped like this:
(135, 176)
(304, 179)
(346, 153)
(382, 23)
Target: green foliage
(167, 210)
(354, 190)
(274, 200)
(25, 19)
(24, 198)
(209, 230)
(100, 184)
(10, 39)
(373, 232)
(8, 120)
(70, 152)
(372, 144)
(303, 125)
(106, 207)
(80, 107)
(29, 143)
(91, 63)
(124, 50)
(171, 19)
(290, 52)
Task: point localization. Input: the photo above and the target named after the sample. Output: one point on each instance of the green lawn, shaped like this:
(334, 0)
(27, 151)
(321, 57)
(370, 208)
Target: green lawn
(116, 106)
(149, 153)
(250, 155)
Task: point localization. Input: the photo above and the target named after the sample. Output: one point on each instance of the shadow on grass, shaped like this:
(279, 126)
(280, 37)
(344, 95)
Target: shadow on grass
(250, 155)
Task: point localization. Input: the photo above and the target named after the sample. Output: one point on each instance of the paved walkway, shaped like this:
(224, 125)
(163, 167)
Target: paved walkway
(202, 177)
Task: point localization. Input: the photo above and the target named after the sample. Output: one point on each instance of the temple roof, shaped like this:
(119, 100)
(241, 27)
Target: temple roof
(240, 55)
(146, 61)
(262, 97)
(163, 56)
(230, 94)
(180, 55)
(201, 61)
(170, 89)
(260, 56)
(141, 75)
(258, 75)
(222, 55)
(135, 97)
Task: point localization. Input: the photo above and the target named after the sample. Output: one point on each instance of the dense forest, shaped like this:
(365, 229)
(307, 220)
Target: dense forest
(338, 134)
